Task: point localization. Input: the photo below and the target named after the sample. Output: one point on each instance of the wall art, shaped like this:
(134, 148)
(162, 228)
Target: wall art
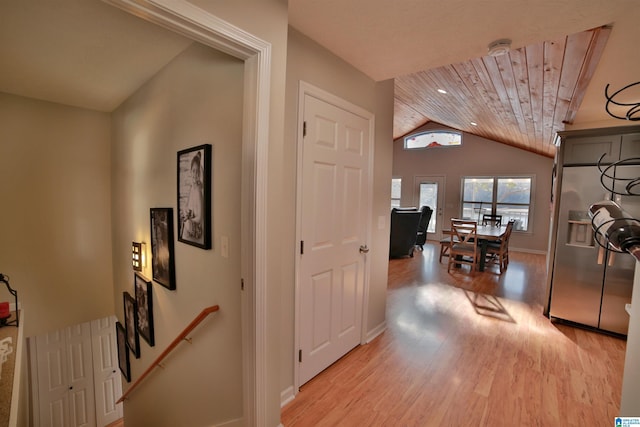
(194, 196)
(130, 322)
(162, 258)
(144, 304)
(123, 351)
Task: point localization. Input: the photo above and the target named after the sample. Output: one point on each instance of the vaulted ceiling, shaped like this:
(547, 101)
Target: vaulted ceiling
(521, 98)
(563, 55)
(89, 54)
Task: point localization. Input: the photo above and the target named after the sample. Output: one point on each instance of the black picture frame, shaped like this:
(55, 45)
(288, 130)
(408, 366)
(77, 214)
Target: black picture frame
(144, 305)
(130, 322)
(162, 249)
(123, 351)
(194, 196)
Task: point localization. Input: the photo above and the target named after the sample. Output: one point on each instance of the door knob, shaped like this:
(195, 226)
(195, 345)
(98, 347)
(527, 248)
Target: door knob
(364, 249)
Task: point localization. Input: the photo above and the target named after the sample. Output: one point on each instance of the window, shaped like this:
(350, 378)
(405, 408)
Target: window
(396, 187)
(432, 139)
(506, 196)
(429, 197)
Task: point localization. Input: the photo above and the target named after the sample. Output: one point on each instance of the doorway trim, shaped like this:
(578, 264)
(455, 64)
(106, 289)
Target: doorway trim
(439, 214)
(199, 25)
(305, 89)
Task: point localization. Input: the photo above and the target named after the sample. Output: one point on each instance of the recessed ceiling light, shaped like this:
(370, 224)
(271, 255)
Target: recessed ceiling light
(442, 91)
(499, 47)
(474, 124)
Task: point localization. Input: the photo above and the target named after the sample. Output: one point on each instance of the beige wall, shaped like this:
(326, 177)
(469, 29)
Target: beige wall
(268, 20)
(87, 291)
(479, 157)
(55, 228)
(196, 99)
(309, 62)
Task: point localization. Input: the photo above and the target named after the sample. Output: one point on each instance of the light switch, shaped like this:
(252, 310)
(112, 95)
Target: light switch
(381, 222)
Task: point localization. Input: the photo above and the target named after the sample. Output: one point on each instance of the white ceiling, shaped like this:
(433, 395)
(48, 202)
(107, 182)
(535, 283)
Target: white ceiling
(89, 54)
(82, 53)
(390, 38)
(386, 38)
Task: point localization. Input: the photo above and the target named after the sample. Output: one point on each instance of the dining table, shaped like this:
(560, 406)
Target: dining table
(486, 234)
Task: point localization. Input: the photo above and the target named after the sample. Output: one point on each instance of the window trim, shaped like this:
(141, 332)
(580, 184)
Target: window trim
(495, 203)
(399, 199)
(434, 131)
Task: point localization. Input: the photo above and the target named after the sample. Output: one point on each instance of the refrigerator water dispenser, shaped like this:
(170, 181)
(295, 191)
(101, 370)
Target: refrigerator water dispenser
(580, 229)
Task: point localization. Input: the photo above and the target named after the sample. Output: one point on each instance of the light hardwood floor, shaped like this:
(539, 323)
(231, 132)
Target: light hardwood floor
(466, 349)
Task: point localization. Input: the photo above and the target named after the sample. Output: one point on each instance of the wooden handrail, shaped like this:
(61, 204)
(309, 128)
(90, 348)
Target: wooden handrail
(207, 311)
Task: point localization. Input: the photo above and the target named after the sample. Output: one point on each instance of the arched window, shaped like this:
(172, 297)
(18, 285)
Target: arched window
(430, 139)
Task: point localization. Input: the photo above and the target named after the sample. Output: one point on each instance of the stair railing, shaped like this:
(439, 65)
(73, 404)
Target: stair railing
(195, 322)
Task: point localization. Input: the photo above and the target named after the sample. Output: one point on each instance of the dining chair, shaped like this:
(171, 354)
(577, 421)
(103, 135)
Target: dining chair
(490, 219)
(465, 249)
(498, 251)
(445, 243)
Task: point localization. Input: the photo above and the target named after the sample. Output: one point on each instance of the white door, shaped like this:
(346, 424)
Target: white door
(53, 387)
(333, 229)
(429, 190)
(81, 397)
(106, 374)
(65, 380)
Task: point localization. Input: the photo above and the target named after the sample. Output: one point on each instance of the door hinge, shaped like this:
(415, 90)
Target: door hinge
(242, 284)
(300, 356)
(304, 128)
(301, 247)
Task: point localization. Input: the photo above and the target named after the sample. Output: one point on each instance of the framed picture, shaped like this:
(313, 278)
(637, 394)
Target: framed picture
(123, 351)
(194, 196)
(162, 260)
(130, 322)
(144, 304)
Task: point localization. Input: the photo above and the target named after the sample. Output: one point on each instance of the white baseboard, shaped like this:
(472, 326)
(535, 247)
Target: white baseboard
(238, 422)
(528, 251)
(378, 330)
(286, 396)
(511, 248)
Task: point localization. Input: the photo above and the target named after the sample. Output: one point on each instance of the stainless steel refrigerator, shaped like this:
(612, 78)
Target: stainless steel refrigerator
(590, 285)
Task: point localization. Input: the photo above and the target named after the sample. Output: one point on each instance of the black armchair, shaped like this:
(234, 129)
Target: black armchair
(422, 227)
(404, 232)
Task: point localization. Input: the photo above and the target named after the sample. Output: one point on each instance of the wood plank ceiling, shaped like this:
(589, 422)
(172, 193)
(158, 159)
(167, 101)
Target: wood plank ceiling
(520, 99)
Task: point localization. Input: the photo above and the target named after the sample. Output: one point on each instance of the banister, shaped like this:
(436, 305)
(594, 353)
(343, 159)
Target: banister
(195, 322)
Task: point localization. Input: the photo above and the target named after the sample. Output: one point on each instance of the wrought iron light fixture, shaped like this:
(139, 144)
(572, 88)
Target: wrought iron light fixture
(4, 320)
(625, 98)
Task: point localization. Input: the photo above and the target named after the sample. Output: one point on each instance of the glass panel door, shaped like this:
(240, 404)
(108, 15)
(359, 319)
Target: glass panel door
(429, 197)
(429, 191)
